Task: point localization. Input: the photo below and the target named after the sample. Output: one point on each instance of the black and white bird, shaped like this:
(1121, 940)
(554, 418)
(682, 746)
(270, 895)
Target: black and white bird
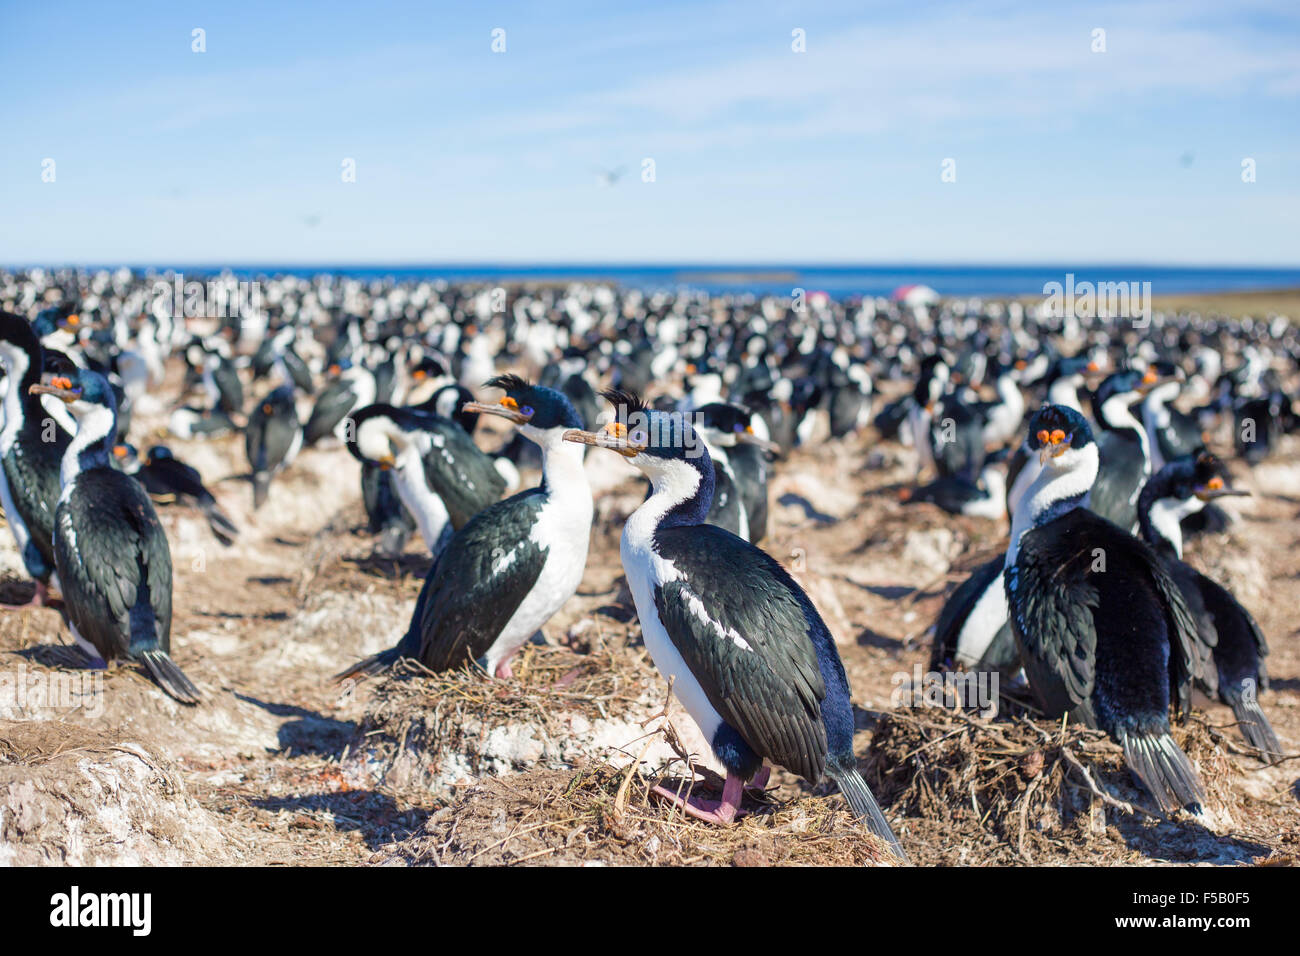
(272, 439)
(1123, 446)
(442, 478)
(114, 564)
(168, 480)
(1228, 634)
(503, 575)
(985, 498)
(740, 477)
(352, 386)
(31, 454)
(742, 646)
(1104, 633)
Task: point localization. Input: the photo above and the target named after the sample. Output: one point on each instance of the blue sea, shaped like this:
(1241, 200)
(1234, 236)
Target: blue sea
(838, 281)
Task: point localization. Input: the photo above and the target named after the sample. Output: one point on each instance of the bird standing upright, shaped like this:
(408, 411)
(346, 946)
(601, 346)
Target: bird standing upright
(516, 562)
(114, 565)
(1229, 637)
(742, 646)
(31, 454)
(1103, 631)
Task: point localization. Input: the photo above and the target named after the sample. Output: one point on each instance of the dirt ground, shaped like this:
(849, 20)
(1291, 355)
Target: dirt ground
(278, 765)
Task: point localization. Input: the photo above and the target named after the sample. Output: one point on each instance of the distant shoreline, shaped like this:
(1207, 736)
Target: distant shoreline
(1250, 287)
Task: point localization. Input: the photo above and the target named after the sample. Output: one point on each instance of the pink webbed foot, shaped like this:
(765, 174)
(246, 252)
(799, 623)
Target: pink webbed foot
(722, 811)
(759, 782)
(504, 670)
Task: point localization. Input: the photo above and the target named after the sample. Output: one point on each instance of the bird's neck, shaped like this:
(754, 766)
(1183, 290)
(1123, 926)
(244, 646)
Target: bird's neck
(1118, 417)
(281, 370)
(1053, 493)
(1065, 391)
(1160, 525)
(680, 496)
(21, 372)
(563, 475)
(89, 448)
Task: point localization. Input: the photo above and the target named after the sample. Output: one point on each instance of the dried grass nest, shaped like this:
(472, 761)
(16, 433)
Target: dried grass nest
(547, 681)
(1016, 785)
(603, 815)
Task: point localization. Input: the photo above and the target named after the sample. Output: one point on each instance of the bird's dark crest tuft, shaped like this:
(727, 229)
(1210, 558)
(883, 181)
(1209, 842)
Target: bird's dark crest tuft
(510, 382)
(624, 401)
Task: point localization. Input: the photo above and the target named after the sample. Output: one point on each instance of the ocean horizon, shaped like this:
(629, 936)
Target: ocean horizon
(839, 281)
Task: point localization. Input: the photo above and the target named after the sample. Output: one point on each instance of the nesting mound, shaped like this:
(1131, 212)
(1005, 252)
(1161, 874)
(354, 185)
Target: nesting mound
(74, 796)
(440, 731)
(604, 815)
(1024, 791)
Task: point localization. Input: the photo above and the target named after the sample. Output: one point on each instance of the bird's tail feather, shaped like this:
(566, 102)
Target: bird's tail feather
(863, 804)
(221, 526)
(261, 486)
(392, 540)
(370, 665)
(168, 676)
(1255, 724)
(1164, 770)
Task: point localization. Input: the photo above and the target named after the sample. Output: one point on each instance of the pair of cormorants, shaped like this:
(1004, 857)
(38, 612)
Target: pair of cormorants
(79, 522)
(1110, 629)
(741, 644)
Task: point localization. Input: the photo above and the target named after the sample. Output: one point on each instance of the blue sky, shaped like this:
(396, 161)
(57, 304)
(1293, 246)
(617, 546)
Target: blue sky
(761, 154)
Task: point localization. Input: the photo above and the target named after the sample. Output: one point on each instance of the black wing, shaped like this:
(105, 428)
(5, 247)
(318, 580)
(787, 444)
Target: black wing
(270, 435)
(32, 470)
(742, 624)
(1119, 479)
(461, 474)
(749, 462)
(334, 402)
(1242, 646)
(1205, 633)
(167, 476)
(478, 582)
(114, 565)
(1054, 598)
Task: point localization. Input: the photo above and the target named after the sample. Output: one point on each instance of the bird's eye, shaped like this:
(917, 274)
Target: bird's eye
(738, 427)
(527, 410)
(637, 437)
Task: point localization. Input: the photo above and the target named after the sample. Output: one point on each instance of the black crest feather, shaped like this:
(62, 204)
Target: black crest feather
(624, 400)
(510, 382)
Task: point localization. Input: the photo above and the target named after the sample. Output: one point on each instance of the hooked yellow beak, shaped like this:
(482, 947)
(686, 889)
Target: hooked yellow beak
(1053, 444)
(1215, 488)
(613, 436)
(60, 387)
(1151, 378)
(508, 409)
(749, 438)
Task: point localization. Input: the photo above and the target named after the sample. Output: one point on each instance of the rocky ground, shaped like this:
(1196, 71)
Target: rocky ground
(279, 765)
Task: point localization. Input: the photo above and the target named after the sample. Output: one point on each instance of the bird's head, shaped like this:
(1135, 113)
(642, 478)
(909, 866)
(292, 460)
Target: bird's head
(1199, 476)
(1058, 435)
(82, 390)
(126, 457)
(726, 425)
(658, 443)
(542, 414)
